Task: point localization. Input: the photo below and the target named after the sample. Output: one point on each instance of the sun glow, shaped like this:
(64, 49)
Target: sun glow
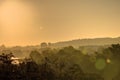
(15, 18)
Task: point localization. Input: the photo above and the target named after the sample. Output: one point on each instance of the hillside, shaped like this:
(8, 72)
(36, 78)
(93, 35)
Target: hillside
(88, 42)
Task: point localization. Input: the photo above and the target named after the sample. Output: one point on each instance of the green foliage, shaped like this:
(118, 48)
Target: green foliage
(36, 57)
(112, 69)
(67, 63)
(115, 49)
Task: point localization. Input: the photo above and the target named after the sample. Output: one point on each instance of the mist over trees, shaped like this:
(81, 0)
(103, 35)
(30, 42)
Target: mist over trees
(87, 42)
(67, 63)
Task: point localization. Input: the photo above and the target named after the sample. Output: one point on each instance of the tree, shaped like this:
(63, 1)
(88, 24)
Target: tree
(115, 49)
(44, 45)
(36, 56)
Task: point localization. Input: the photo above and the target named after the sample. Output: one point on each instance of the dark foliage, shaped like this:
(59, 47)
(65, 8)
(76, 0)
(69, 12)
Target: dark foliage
(52, 65)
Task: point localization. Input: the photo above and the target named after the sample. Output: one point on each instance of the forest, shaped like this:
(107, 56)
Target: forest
(67, 63)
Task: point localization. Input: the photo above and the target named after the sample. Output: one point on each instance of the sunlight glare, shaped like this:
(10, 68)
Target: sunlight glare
(15, 18)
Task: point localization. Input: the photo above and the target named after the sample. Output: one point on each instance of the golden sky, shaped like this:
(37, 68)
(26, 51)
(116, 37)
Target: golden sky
(30, 22)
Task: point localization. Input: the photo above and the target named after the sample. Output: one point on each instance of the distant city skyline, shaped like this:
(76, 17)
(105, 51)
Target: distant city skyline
(30, 22)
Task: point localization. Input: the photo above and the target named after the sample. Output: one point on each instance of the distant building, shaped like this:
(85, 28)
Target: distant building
(10, 59)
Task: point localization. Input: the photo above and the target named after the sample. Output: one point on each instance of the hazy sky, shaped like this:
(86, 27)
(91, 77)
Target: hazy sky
(30, 22)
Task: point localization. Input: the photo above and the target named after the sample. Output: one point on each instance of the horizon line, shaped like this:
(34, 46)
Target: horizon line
(53, 42)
